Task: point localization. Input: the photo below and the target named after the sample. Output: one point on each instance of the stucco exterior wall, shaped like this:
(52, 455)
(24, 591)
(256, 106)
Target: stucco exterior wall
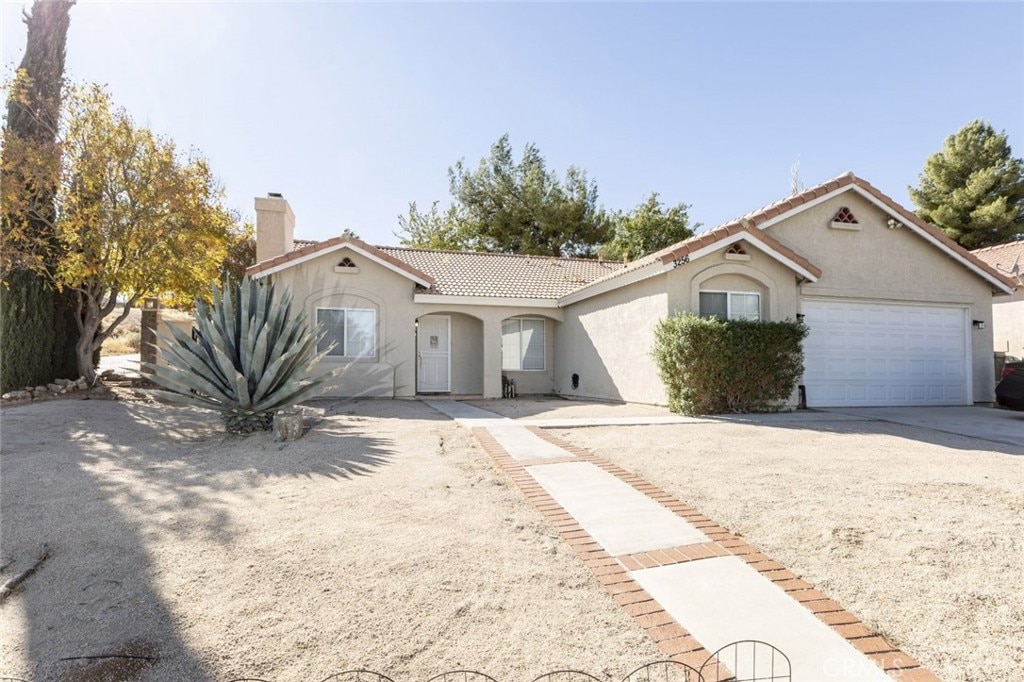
(761, 274)
(476, 330)
(607, 341)
(167, 318)
(880, 264)
(1008, 323)
(467, 356)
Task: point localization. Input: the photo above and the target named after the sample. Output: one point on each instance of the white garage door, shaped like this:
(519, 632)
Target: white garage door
(871, 354)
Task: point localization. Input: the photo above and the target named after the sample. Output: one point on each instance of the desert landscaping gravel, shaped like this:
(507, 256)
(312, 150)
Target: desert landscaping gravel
(919, 533)
(383, 539)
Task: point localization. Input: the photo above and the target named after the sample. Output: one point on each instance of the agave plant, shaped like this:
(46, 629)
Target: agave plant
(249, 359)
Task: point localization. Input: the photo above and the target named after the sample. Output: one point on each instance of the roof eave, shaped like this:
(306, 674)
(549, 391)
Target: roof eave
(308, 253)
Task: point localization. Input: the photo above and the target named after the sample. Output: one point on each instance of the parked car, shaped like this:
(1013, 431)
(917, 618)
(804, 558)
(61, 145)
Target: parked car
(1010, 391)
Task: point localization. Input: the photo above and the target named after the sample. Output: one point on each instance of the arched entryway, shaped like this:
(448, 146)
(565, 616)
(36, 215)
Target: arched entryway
(449, 354)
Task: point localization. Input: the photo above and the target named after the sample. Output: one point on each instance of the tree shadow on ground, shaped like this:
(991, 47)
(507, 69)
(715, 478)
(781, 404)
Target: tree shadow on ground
(97, 481)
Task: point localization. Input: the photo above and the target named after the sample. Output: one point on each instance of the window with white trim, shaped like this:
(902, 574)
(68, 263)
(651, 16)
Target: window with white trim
(352, 330)
(522, 344)
(730, 305)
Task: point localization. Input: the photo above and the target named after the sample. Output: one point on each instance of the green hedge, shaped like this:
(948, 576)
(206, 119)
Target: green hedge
(26, 331)
(710, 366)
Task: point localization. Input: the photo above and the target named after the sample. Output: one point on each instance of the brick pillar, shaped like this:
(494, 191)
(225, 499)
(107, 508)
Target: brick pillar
(150, 322)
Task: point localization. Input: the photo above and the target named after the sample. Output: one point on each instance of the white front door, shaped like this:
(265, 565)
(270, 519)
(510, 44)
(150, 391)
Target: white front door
(433, 374)
(881, 354)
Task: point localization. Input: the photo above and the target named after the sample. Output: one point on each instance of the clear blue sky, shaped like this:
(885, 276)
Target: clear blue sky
(354, 110)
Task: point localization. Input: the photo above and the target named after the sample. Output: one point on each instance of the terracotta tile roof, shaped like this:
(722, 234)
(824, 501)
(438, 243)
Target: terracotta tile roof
(707, 238)
(460, 273)
(470, 273)
(751, 221)
(457, 273)
(699, 241)
(1005, 258)
(315, 247)
(302, 243)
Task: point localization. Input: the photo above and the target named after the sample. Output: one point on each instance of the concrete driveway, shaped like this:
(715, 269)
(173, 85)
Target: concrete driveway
(988, 423)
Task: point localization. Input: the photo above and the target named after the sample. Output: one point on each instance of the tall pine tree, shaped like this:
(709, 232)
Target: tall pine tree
(38, 333)
(973, 189)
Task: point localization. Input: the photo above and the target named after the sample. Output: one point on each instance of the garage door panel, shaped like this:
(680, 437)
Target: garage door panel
(860, 354)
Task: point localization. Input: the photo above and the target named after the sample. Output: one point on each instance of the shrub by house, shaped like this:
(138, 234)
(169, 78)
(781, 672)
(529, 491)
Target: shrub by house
(712, 366)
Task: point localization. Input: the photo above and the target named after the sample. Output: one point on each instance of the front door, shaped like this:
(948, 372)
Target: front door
(433, 374)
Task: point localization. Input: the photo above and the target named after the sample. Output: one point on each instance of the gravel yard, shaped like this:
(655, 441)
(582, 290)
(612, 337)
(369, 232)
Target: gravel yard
(919, 533)
(383, 539)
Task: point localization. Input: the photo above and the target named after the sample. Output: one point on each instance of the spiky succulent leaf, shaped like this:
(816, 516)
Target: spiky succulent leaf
(251, 358)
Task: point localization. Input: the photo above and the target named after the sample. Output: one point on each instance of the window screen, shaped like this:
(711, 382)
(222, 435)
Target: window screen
(713, 304)
(522, 344)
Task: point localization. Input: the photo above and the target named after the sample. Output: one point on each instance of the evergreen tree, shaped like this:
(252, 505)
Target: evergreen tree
(648, 228)
(505, 205)
(973, 189)
(39, 333)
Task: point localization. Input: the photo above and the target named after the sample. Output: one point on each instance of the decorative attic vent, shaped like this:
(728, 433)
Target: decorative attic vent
(737, 252)
(844, 220)
(346, 266)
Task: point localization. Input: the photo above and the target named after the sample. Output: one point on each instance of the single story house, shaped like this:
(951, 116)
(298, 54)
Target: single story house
(1007, 311)
(898, 313)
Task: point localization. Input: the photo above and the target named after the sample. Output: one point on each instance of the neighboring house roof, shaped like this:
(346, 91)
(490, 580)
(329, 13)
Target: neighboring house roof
(501, 275)
(756, 222)
(1007, 259)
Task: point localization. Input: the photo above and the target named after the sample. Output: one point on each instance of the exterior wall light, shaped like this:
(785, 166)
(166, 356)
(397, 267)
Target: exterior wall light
(978, 324)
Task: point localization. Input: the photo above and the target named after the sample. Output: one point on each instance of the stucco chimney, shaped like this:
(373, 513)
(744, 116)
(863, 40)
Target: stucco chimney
(275, 227)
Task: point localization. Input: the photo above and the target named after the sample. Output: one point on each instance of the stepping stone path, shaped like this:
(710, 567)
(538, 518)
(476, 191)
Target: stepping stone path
(691, 584)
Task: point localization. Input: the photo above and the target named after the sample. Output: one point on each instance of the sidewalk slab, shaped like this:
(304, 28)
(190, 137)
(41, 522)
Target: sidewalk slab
(463, 413)
(620, 518)
(522, 444)
(723, 600)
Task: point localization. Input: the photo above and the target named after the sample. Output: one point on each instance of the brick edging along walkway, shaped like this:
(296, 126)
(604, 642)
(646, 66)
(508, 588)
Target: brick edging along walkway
(613, 572)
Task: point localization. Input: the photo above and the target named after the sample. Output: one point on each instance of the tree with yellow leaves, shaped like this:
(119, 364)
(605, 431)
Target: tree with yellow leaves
(134, 216)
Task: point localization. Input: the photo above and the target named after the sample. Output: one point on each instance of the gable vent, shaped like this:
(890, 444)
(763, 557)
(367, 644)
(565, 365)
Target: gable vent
(346, 266)
(737, 252)
(844, 220)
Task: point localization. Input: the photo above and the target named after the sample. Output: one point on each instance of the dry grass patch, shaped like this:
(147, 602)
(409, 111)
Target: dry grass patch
(384, 539)
(919, 533)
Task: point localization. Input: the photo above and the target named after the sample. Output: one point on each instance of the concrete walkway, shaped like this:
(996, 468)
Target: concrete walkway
(691, 584)
(125, 365)
(622, 519)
